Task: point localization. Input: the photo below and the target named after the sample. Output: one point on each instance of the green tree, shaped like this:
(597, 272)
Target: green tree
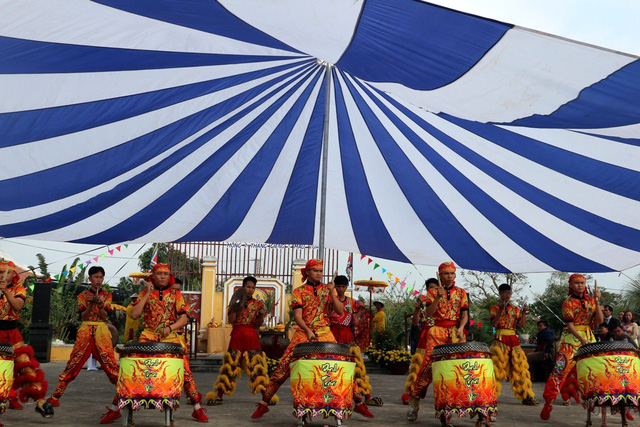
(483, 285)
(179, 262)
(632, 294)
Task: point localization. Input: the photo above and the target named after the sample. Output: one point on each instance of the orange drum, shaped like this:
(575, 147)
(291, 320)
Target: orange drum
(322, 380)
(608, 373)
(463, 380)
(151, 375)
(6, 374)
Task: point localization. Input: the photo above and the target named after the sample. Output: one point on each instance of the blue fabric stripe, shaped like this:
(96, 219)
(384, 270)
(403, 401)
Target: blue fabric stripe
(34, 125)
(296, 219)
(227, 215)
(610, 102)
(179, 194)
(518, 231)
(588, 222)
(416, 44)
(68, 179)
(203, 15)
(34, 57)
(434, 214)
(368, 228)
(614, 179)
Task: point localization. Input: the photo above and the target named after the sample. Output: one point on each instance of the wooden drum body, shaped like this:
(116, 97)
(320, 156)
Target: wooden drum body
(151, 375)
(322, 380)
(6, 374)
(463, 380)
(608, 373)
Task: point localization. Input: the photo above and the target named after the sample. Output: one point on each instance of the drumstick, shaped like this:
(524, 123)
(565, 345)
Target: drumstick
(595, 287)
(6, 273)
(438, 277)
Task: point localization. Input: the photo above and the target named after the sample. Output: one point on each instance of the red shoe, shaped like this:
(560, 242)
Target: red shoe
(405, 398)
(110, 416)
(54, 402)
(14, 404)
(363, 410)
(629, 416)
(546, 411)
(260, 411)
(199, 415)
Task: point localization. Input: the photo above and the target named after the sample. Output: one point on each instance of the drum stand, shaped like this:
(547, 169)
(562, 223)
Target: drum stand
(305, 421)
(623, 414)
(127, 416)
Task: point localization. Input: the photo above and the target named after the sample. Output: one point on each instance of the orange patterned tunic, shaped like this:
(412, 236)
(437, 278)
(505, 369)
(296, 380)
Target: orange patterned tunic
(249, 313)
(6, 311)
(162, 309)
(85, 298)
(244, 336)
(580, 311)
(509, 318)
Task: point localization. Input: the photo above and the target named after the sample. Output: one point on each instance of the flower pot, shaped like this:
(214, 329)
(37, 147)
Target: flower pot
(398, 368)
(524, 338)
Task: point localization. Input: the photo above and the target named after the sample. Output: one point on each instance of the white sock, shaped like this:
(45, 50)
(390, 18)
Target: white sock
(196, 406)
(114, 408)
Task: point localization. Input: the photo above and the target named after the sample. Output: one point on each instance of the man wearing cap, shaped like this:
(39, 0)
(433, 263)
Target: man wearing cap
(449, 307)
(163, 312)
(580, 312)
(509, 361)
(311, 304)
(28, 377)
(379, 322)
(94, 337)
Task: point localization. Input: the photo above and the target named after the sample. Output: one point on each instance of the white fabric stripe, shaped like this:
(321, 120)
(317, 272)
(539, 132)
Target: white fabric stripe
(23, 92)
(403, 224)
(338, 229)
(629, 131)
(261, 218)
(603, 150)
(85, 23)
(557, 230)
(56, 151)
(37, 211)
(489, 237)
(600, 202)
(525, 73)
(322, 29)
(198, 207)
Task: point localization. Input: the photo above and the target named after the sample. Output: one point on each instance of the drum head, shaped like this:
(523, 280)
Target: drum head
(150, 348)
(321, 347)
(603, 347)
(460, 347)
(6, 347)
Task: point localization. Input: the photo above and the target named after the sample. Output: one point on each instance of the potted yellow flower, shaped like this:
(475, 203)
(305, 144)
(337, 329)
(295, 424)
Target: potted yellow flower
(398, 361)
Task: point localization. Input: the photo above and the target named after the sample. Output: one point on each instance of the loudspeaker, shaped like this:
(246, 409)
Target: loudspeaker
(41, 302)
(40, 335)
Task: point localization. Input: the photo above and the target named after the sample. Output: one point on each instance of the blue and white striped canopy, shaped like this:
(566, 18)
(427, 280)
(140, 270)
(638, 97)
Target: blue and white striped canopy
(450, 136)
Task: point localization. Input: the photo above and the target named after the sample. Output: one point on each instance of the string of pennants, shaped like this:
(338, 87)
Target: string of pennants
(392, 277)
(82, 265)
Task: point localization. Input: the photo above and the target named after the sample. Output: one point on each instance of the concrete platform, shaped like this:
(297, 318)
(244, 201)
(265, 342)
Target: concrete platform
(87, 396)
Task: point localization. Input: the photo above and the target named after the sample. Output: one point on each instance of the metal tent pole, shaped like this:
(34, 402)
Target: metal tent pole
(325, 155)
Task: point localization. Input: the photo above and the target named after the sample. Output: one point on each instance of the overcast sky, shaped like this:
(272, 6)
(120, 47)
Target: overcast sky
(610, 24)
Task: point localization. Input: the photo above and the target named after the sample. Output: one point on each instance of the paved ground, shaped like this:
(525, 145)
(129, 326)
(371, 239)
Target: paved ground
(85, 399)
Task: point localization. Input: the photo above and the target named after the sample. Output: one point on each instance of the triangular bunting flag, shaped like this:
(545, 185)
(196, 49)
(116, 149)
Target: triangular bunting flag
(126, 245)
(389, 275)
(402, 285)
(111, 251)
(376, 266)
(422, 298)
(397, 280)
(410, 288)
(88, 262)
(73, 269)
(370, 261)
(384, 270)
(95, 259)
(104, 255)
(57, 276)
(118, 248)
(415, 293)
(362, 257)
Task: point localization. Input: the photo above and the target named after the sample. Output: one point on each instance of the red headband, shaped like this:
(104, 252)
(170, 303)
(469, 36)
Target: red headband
(311, 264)
(11, 266)
(447, 267)
(574, 277)
(162, 267)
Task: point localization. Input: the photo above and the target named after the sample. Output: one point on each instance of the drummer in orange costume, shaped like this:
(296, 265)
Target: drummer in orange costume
(449, 307)
(311, 303)
(579, 311)
(163, 313)
(28, 377)
(93, 337)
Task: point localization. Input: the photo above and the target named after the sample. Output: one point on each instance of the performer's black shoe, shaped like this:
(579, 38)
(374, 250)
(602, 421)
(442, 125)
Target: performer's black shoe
(44, 408)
